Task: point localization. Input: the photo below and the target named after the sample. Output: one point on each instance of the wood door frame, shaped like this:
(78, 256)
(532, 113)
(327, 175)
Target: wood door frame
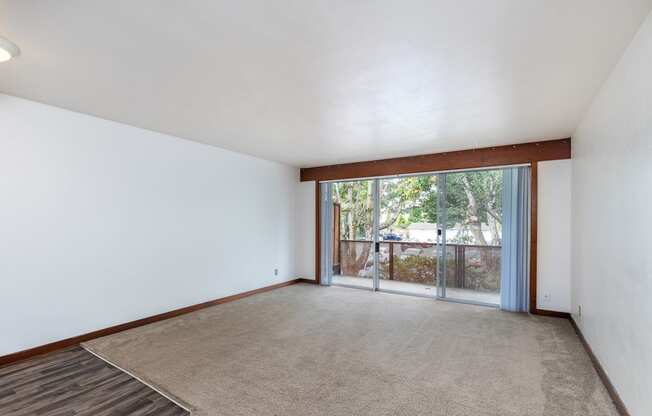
(534, 194)
(531, 153)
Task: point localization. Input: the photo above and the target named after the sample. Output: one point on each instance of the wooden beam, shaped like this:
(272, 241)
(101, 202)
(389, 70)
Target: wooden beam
(463, 159)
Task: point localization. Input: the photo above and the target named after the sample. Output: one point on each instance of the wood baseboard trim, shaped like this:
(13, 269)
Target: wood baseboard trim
(554, 314)
(611, 389)
(304, 280)
(69, 342)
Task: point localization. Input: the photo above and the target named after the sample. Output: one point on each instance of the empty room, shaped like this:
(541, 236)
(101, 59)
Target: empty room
(294, 208)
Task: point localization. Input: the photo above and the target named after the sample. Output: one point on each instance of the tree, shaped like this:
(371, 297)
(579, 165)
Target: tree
(472, 199)
(356, 211)
(401, 200)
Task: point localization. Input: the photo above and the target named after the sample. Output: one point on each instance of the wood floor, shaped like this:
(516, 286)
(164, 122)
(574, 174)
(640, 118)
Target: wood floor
(74, 382)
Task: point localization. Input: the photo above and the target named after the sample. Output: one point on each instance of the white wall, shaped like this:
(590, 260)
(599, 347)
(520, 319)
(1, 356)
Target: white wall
(612, 225)
(304, 260)
(102, 223)
(554, 239)
(554, 235)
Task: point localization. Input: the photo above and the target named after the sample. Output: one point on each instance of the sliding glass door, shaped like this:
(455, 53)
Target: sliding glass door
(436, 235)
(471, 205)
(408, 235)
(353, 256)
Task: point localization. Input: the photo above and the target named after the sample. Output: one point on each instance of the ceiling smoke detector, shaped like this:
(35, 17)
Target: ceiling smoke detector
(8, 50)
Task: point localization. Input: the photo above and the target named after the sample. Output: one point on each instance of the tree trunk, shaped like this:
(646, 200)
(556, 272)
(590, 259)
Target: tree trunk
(361, 261)
(494, 220)
(473, 220)
(370, 210)
(495, 233)
(349, 215)
(391, 221)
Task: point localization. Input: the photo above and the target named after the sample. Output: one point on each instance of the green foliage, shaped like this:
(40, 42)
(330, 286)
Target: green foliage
(415, 269)
(356, 208)
(472, 199)
(485, 186)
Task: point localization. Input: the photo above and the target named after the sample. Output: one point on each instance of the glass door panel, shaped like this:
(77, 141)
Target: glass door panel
(472, 236)
(353, 233)
(408, 235)
(437, 235)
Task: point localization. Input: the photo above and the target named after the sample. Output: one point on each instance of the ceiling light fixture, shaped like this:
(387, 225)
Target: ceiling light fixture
(8, 50)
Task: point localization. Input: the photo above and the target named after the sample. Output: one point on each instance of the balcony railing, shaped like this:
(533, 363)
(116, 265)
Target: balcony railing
(472, 267)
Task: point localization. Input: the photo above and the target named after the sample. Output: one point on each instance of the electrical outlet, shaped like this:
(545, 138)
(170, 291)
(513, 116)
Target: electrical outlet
(579, 310)
(275, 272)
(546, 297)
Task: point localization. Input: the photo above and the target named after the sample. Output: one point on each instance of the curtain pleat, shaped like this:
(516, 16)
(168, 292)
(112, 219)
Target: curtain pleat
(326, 232)
(514, 282)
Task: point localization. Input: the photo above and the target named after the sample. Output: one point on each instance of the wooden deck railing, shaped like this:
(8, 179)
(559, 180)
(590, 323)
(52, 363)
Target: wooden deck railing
(467, 266)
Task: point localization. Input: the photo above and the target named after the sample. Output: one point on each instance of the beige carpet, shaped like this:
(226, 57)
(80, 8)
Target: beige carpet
(309, 350)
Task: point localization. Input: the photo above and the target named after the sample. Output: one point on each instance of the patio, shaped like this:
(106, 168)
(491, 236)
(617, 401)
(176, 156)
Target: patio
(472, 271)
(419, 289)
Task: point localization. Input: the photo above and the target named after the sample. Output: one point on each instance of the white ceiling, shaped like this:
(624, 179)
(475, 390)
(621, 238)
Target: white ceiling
(311, 82)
